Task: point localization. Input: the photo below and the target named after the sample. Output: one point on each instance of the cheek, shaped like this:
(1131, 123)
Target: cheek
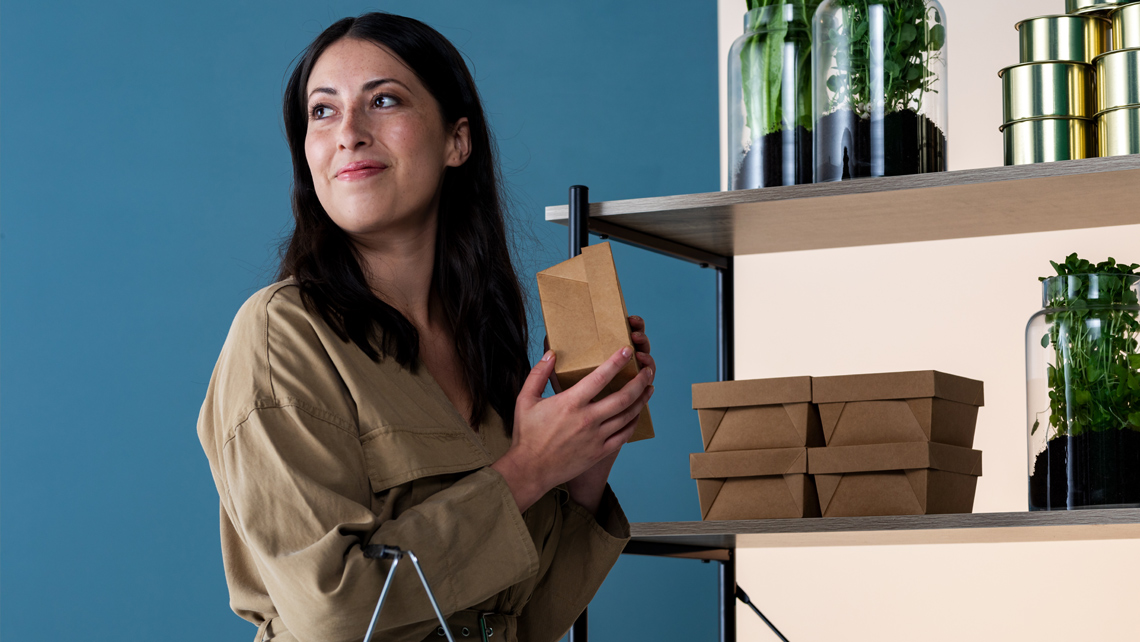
(423, 145)
(313, 156)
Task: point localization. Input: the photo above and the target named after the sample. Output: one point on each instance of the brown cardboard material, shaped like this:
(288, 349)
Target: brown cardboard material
(918, 478)
(898, 407)
(754, 484)
(758, 413)
(586, 321)
(897, 385)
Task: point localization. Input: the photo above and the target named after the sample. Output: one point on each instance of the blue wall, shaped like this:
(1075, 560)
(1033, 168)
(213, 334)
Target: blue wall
(144, 188)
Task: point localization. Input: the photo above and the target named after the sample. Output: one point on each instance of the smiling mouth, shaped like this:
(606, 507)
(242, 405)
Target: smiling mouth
(357, 171)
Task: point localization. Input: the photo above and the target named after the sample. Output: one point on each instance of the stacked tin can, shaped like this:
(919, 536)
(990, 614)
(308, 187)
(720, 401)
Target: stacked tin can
(1049, 104)
(1118, 85)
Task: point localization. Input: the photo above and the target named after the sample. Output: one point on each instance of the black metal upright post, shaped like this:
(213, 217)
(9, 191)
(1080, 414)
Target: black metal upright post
(724, 367)
(724, 324)
(579, 219)
(579, 238)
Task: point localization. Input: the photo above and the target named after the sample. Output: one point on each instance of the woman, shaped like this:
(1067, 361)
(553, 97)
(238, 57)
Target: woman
(380, 393)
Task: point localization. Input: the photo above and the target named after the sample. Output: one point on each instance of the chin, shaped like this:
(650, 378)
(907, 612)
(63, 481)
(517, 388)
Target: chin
(359, 215)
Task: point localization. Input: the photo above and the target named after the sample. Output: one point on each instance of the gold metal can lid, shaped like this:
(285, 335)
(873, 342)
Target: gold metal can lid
(1104, 112)
(1011, 123)
(1094, 6)
(1120, 53)
(1004, 70)
(1078, 16)
(1078, 38)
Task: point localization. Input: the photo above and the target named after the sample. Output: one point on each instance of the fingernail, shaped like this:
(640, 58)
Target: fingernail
(626, 352)
(549, 354)
(651, 373)
(637, 335)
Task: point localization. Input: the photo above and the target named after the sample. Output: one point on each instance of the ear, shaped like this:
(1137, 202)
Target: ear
(459, 143)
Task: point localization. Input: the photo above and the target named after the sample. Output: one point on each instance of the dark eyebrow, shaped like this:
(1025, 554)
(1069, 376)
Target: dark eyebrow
(368, 86)
(373, 84)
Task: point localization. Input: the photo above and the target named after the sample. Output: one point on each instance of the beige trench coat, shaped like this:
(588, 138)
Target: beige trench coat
(316, 451)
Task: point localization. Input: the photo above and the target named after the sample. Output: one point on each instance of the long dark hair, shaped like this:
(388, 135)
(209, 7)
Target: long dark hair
(473, 273)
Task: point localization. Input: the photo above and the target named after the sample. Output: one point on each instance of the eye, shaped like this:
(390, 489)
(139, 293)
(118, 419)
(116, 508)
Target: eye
(319, 111)
(384, 100)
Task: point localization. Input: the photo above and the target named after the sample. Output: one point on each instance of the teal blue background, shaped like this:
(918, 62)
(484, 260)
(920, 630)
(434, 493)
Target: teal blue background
(143, 190)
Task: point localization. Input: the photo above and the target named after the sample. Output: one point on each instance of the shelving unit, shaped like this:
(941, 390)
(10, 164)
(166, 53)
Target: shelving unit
(708, 540)
(710, 229)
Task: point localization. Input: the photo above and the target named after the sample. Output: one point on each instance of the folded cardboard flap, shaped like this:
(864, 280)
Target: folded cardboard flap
(888, 457)
(751, 427)
(768, 497)
(897, 385)
(924, 491)
(752, 392)
(758, 413)
(586, 321)
(853, 423)
(748, 463)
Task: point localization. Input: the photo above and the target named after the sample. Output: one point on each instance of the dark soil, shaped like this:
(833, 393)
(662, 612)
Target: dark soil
(1093, 469)
(763, 165)
(912, 144)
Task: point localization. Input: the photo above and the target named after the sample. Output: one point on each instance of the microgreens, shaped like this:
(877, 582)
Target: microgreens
(913, 38)
(1094, 377)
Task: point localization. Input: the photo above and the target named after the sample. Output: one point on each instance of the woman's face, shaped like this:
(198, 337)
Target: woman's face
(376, 142)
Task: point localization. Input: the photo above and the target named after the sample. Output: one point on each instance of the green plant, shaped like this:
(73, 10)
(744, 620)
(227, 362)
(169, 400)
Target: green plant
(913, 37)
(1094, 379)
(762, 65)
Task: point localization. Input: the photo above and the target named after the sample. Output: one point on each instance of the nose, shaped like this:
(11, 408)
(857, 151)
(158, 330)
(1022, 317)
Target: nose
(354, 131)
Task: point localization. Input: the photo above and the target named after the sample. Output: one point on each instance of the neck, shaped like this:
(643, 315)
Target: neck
(399, 270)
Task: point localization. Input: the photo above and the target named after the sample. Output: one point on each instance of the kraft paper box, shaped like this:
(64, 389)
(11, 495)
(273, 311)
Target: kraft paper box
(754, 484)
(898, 407)
(916, 478)
(586, 321)
(757, 413)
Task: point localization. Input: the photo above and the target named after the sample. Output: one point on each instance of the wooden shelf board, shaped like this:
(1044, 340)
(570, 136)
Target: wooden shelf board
(1097, 192)
(1042, 526)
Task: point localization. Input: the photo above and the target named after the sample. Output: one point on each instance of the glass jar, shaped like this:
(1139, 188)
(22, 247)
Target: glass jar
(879, 88)
(769, 96)
(1083, 391)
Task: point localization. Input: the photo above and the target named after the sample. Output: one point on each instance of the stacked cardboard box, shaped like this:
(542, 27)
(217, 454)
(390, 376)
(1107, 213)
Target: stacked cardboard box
(756, 438)
(877, 444)
(896, 444)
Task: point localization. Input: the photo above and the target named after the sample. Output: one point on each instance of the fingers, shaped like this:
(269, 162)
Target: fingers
(637, 334)
(593, 383)
(619, 422)
(625, 398)
(646, 361)
(536, 381)
(640, 342)
(621, 437)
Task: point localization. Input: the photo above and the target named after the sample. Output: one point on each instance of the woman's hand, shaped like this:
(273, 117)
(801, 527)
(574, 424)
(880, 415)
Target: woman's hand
(640, 344)
(587, 488)
(559, 438)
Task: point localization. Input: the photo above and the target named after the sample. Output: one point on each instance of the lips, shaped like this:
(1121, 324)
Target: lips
(360, 169)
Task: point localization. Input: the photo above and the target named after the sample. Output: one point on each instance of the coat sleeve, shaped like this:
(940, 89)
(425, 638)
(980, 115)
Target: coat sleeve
(588, 547)
(300, 498)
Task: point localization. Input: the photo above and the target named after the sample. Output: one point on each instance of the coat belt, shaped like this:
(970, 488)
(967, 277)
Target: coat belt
(465, 625)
